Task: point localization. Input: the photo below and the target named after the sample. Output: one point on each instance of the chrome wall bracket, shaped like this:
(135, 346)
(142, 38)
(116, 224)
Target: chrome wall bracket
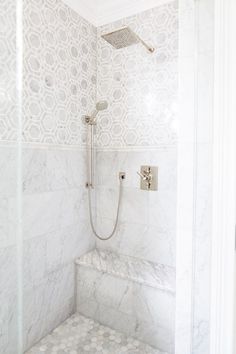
(89, 120)
(148, 178)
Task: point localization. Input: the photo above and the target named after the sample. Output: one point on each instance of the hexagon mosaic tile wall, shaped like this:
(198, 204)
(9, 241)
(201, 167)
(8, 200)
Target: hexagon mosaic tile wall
(60, 50)
(8, 117)
(141, 87)
(59, 73)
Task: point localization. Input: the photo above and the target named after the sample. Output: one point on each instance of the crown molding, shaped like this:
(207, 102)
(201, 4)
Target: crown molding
(103, 12)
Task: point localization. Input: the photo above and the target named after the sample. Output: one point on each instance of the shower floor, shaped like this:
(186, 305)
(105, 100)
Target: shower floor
(80, 335)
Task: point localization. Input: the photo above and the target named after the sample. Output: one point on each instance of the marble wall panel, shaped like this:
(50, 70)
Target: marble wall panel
(136, 309)
(147, 224)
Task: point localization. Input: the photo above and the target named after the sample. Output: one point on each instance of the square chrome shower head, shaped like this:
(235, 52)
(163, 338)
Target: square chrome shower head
(121, 38)
(124, 37)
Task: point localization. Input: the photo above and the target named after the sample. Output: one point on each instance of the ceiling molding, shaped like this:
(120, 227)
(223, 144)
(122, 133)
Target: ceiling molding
(101, 12)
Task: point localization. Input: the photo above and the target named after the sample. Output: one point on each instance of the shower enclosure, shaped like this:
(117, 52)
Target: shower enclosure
(105, 176)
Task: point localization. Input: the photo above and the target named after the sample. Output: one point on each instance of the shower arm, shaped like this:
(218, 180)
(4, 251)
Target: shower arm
(150, 49)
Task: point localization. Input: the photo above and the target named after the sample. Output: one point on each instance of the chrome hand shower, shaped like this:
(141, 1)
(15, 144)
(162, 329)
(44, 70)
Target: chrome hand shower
(91, 121)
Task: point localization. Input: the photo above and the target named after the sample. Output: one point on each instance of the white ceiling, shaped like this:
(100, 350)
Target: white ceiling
(101, 12)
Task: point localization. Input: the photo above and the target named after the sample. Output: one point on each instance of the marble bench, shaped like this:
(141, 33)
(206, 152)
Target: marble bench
(133, 296)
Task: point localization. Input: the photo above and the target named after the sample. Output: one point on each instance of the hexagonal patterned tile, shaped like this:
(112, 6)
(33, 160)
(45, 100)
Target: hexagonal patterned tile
(59, 72)
(80, 335)
(144, 85)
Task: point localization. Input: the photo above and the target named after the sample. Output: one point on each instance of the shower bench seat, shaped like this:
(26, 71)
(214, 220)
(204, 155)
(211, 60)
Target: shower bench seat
(133, 296)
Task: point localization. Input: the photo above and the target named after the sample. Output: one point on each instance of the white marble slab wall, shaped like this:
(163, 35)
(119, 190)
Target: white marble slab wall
(185, 178)
(147, 224)
(135, 309)
(8, 249)
(56, 232)
(139, 128)
(203, 232)
(194, 177)
(59, 87)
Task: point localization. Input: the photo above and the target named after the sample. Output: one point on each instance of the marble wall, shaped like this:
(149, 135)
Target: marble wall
(59, 87)
(195, 177)
(8, 179)
(56, 231)
(139, 128)
(147, 223)
(8, 249)
(133, 296)
(204, 165)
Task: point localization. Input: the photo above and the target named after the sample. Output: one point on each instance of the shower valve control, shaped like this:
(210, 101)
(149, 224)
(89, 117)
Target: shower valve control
(148, 178)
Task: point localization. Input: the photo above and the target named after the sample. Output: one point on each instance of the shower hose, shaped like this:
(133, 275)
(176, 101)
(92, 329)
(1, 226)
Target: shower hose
(117, 213)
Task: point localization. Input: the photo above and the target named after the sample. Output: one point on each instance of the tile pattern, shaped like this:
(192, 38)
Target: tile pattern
(59, 73)
(8, 117)
(79, 335)
(141, 87)
(156, 275)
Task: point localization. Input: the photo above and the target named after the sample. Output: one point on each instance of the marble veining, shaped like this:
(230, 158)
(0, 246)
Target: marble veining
(80, 335)
(155, 275)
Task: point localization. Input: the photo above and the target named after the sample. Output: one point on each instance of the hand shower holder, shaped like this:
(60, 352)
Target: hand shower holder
(89, 120)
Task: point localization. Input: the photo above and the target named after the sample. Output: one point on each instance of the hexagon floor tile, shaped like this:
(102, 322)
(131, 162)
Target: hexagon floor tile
(80, 335)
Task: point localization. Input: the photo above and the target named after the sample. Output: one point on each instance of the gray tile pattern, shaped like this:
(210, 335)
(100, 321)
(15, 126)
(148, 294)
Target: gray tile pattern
(8, 115)
(141, 88)
(59, 73)
(80, 335)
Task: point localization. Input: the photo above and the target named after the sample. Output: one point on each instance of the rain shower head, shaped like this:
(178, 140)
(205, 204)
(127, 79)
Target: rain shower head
(124, 37)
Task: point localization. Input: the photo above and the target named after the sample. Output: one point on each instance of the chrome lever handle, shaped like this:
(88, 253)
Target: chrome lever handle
(146, 176)
(138, 173)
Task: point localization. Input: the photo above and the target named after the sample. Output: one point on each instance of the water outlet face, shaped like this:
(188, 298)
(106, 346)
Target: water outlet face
(122, 175)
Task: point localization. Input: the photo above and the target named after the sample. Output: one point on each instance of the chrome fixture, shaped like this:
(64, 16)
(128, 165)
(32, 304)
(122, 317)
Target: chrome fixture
(91, 122)
(148, 178)
(125, 37)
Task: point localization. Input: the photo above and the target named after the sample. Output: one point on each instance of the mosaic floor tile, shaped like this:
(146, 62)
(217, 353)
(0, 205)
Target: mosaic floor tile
(80, 335)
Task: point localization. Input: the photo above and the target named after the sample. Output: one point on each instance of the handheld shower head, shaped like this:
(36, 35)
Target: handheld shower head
(101, 106)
